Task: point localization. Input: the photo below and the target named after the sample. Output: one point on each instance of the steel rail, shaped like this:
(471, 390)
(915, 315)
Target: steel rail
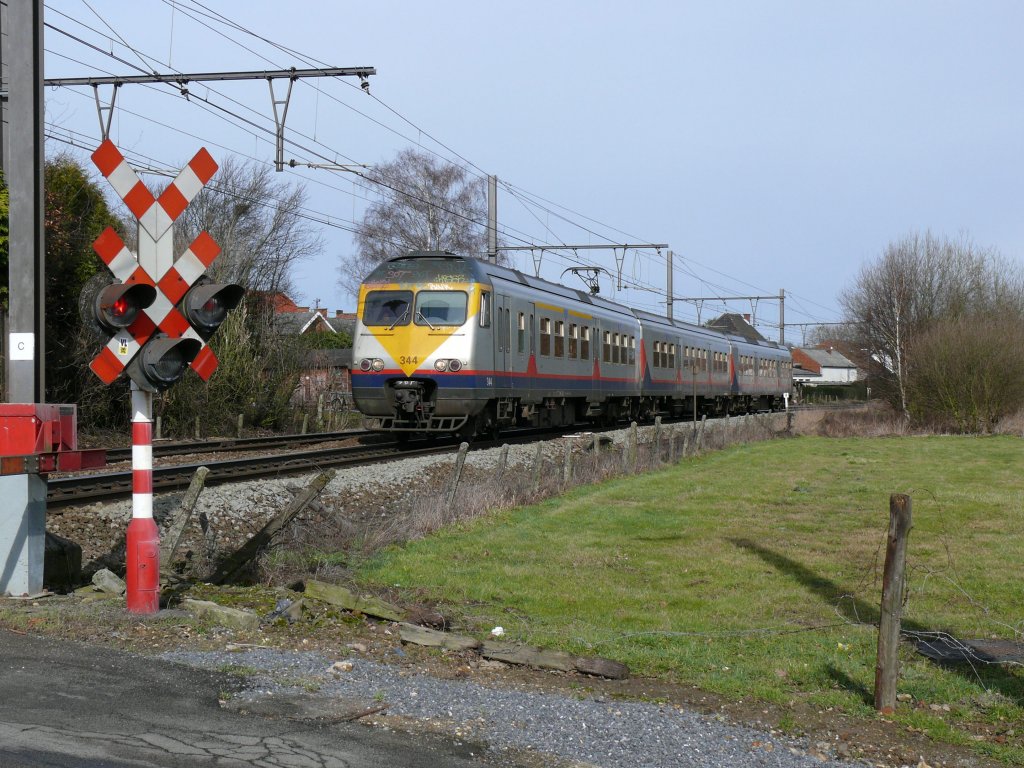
(75, 489)
(115, 455)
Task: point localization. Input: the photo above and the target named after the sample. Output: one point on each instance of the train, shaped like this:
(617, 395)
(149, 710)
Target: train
(450, 344)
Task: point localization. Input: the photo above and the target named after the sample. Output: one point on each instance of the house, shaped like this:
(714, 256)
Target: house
(736, 325)
(326, 371)
(824, 366)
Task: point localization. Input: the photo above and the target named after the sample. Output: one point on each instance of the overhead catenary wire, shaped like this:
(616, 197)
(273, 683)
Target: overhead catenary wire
(530, 202)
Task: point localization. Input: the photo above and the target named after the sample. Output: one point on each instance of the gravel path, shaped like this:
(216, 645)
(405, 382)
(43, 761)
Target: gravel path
(594, 731)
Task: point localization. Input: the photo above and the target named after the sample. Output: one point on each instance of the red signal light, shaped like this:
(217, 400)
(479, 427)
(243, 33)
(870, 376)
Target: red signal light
(120, 308)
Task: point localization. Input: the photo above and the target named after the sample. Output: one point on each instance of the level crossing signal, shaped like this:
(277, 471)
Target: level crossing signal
(160, 309)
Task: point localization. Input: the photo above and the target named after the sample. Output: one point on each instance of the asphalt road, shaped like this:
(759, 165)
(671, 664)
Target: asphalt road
(67, 705)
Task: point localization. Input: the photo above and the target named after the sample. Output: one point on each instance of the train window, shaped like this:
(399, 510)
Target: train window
(507, 325)
(545, 336)
(442, 308)
(672, 356)
(573, 340)
(485, 309)
(585, 343)
(632, 350)
(607, 356)
(559, 338)
(388, 308)
(522, 333)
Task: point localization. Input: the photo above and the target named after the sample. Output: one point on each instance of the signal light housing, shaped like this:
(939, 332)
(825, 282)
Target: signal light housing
(206, 305)
(162, 362)
(111, 308)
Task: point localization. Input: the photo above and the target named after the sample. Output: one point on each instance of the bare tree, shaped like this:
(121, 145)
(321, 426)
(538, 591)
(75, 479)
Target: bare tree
(426, 204)
(258, 223)
(919, 281)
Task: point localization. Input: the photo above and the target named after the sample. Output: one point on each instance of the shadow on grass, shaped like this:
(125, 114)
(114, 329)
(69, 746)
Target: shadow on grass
(860, 612)
(847, 683)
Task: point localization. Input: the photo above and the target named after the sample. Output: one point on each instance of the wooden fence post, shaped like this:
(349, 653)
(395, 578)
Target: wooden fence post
(198, 434)
(159, 428)
(171, 538)
(700, 437)
(502, 462)
(305, 422)
(672, 447)
(634, 446)
(893, 581)
(241, 422)
(320, 412)
(657, 439)
(567, 463)
(460, 460)
(265, 536)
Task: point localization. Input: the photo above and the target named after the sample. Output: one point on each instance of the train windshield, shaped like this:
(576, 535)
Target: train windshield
(389, 308)
(440, 308)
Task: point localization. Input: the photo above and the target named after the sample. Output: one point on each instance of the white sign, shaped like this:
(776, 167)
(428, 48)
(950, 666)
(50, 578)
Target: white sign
(22, 346)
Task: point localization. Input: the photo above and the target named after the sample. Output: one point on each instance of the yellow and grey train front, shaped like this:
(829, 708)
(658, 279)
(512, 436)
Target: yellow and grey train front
(418, 345)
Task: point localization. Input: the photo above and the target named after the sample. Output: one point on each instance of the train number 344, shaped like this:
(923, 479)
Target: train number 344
(405, 360)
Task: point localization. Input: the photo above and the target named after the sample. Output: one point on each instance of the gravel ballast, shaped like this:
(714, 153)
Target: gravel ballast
(594, 731)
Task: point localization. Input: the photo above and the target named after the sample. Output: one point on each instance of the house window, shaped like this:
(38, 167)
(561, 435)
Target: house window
(545, 337)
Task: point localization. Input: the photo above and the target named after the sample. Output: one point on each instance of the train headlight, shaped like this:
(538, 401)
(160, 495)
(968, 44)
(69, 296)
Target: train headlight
(441, 365)
(364, 364)
(454, 366)
(377, 364)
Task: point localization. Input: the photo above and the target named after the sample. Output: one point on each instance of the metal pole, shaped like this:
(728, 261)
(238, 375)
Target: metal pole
(782, 316)
(142, 545)
(668, 286)
(492, 218)
(24, 172)
(4, 81)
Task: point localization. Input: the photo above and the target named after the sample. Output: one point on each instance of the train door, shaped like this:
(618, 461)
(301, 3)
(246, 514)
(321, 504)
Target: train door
(503, 357)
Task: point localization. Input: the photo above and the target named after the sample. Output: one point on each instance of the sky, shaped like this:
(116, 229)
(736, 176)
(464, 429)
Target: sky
(770, 145)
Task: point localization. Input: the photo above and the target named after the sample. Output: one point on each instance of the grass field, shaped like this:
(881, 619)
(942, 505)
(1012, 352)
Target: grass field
(756, 572)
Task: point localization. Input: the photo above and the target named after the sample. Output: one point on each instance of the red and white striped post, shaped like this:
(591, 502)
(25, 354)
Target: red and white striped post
(143, 539)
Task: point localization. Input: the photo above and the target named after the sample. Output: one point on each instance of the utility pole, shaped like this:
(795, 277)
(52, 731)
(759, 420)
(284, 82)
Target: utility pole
(668, 286)
(492, 218)
(782, 317)
(23, 171)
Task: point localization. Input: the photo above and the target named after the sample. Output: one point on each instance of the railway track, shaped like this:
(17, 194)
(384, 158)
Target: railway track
(78, 489)
(116, 455)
